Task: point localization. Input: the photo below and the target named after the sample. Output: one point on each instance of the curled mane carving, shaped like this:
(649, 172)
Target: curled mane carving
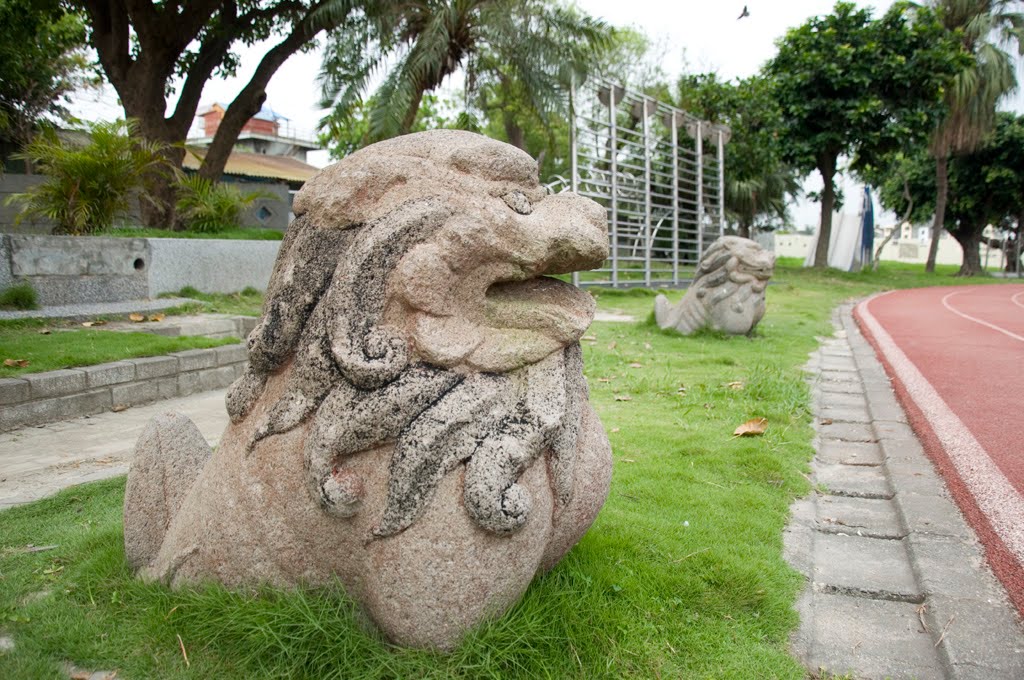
(407, 309)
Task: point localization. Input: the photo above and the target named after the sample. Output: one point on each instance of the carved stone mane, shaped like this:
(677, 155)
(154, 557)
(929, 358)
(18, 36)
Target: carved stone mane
(727, 293)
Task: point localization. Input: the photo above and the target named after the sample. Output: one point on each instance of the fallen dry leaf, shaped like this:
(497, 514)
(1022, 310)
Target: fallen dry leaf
(604, 380)
(159, 316)
(136, 317)
(647, 345)
(612, 345)
(627, 460)
(90, 324)
(636, 364)
(615, 429)
(826, 421)
(623, 397)
(16, 363)
(735, 385)
(751, 428)
(117, 408)
(44, 331)
(589, 338)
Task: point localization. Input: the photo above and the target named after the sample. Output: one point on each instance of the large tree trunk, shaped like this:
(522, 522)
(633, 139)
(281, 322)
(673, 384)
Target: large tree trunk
(827, 168)
(516, 135)
(941, 192)
(156, 204)
(743, 229)
(410, 113)
(969, 239)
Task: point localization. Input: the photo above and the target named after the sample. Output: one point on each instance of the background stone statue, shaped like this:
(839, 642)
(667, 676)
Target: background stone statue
(727, 293)
(414, 420)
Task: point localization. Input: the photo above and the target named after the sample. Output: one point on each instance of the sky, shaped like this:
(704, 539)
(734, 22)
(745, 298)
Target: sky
(696, 36)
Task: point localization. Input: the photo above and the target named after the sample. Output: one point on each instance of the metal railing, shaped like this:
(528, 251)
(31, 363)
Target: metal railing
(663, 193)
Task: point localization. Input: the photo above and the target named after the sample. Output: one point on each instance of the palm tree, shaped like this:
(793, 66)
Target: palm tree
(984, 28)
(535, 43)
(747, 199)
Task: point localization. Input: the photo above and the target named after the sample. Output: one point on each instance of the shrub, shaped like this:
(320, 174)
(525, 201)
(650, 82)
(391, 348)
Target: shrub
(210, 207)
(89, 185)
(21, 296)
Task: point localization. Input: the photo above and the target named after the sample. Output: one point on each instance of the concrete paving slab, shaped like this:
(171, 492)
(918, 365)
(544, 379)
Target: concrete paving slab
(838, 400)
(848, 432)
(858, 481)
(982, 639)
(849, 453)
(871, 639)
(865, 516)
(843, 414)
(870, 567)
(844, 387)
(36, 462)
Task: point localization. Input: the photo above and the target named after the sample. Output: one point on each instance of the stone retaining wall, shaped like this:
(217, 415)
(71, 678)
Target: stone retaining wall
(39, 398)
(66, 270)
(209, 265)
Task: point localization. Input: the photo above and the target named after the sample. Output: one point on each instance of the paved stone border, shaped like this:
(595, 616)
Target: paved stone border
(38, 398)
(86, 311)
(897, 581)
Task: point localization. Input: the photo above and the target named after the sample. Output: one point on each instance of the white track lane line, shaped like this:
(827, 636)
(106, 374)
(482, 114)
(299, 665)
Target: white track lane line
(947, 305)
(1017, 302)
(993, 493)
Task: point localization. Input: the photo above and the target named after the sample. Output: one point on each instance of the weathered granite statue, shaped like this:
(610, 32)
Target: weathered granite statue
(727, 293)
(414, 421)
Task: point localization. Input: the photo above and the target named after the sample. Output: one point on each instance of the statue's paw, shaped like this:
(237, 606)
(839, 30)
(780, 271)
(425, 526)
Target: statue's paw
(168, 457)
(662, 307)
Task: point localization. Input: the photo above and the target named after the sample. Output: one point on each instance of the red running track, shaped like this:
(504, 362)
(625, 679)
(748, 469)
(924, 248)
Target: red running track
(956, 358)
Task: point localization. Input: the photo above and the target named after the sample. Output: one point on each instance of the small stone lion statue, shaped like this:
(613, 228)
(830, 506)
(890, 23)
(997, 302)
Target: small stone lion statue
(414, 422)
(727, 293)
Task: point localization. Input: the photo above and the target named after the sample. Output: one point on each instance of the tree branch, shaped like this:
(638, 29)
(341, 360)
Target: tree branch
(110, 38)
(906, 217)
(211, 54)
(250, 99)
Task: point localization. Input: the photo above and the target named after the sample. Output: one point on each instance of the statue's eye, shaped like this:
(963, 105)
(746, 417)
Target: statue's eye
(518, 202)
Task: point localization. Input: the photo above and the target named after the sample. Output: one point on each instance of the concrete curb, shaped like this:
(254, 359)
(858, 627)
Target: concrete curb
(897, 583)
(39, 398)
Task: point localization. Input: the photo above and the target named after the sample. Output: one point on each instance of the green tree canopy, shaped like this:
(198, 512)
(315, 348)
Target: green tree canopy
(41, 61)
(985, 187)
(850, 85)
(533, 47)
(981, 27)
(153, 52)
(758, 182)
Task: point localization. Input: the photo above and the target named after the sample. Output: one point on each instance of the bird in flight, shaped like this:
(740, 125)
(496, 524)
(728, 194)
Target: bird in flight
(744, 13)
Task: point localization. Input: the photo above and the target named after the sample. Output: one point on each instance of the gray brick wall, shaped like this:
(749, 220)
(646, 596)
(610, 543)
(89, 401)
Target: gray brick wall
(39, 398)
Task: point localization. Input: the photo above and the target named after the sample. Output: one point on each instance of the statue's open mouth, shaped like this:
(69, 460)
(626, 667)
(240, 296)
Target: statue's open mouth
(543, 304)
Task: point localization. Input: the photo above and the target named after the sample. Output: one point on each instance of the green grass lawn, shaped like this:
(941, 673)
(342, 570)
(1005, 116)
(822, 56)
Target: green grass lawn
(69, 344)
(248, 302)
(681, 575)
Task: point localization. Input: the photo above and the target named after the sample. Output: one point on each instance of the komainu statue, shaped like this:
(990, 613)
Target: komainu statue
(414, 422)
(727, 293)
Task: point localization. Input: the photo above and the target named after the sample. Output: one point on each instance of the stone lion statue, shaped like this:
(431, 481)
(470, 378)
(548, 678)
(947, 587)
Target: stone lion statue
(414, 421)
(727, 293)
